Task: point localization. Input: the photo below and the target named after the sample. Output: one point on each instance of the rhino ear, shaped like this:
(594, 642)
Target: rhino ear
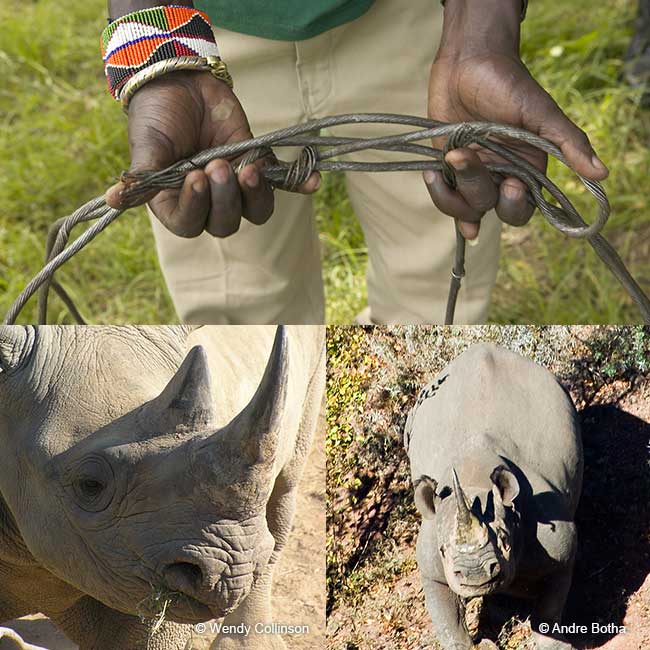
(426, 499)
(16, 344)
(187, 400)
(506, 484)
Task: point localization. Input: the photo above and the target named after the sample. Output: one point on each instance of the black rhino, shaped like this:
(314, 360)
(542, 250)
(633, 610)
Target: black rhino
(496, 462)
(150, 468)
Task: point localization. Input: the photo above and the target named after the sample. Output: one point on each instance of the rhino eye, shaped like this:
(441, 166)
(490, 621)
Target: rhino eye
(90, 488)
(93, 484)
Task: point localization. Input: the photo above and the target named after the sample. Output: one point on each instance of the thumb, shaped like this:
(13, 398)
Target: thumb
(545, 118)
(151, 151)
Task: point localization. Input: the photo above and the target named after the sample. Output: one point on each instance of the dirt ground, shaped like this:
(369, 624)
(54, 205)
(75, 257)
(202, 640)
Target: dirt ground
(375, 599)
(299, 587)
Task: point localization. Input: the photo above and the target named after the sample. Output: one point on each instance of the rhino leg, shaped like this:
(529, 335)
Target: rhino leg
(93, 626)
(549, 605)
(447, 615)
(257, 606)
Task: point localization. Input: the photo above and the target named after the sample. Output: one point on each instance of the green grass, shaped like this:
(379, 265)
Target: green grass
(63, 141)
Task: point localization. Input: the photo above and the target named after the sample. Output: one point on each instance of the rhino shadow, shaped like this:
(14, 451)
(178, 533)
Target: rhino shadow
(613, 521)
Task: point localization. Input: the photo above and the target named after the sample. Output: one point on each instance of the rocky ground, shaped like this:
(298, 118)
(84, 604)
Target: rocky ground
(299, 588)
(375, 601)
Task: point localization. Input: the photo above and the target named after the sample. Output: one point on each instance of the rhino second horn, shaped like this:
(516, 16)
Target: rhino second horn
(16, 344)
(256, 428)
(187, 400)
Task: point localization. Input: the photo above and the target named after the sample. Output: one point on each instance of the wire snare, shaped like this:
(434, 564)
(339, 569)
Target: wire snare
(322, 153)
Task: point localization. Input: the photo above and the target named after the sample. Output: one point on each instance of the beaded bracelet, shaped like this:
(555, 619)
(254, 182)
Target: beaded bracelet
(134, 42)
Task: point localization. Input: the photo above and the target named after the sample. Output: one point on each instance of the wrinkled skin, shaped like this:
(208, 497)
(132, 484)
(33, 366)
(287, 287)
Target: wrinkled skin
(496, 462)
(131, 477)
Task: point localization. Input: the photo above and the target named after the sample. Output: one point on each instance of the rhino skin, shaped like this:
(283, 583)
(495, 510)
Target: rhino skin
(143, 461)
(496, 461)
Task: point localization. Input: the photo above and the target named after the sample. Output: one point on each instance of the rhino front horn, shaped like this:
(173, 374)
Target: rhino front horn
(16, 344)
(463, 513)
(256, 428)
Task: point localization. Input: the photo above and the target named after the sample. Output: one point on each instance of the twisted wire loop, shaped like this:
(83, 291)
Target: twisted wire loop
(462, 136)
(323, 153)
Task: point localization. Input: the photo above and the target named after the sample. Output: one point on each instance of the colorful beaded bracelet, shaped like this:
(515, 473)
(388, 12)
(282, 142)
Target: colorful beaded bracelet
(133, 42)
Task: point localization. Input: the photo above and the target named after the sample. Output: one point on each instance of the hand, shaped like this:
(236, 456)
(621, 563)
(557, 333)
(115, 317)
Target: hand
(483, 79)
(177, 116)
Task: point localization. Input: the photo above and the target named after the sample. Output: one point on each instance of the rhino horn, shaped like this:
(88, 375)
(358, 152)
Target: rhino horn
(16, 344)
(187, 400)
(463, 513)
(256, 429)
(469, 529)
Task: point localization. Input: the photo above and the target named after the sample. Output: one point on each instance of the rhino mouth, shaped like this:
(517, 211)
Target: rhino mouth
(189, 610)
(183, 608)
(478, 580)
(487, 583)
(164, 604)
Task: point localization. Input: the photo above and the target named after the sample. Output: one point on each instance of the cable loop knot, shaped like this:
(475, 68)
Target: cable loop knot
(462, 136)
(252, 156)
(301, 168)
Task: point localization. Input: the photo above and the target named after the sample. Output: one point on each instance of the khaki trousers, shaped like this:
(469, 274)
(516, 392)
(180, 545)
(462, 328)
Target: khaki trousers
(272, 273)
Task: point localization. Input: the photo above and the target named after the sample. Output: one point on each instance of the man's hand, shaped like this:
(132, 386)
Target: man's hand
(177, 116)
(478, 76)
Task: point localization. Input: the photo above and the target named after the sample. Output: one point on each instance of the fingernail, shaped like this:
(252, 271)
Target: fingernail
(429, 176)
(198, 187)
(220, 175)
(473, 242)
(513, 192)
(598, 164)
(253, 179)
(312, 183)
(458, 164)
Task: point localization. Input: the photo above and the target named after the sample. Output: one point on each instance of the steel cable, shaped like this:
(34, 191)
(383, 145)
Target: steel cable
(322, 153)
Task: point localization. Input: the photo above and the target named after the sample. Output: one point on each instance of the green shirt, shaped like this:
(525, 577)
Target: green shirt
(282, 20)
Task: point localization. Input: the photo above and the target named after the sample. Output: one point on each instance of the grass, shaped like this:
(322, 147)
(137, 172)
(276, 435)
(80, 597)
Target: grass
(63, 141)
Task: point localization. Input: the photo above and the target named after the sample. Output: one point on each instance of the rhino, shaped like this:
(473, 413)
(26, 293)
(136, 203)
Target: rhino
(148, 477)
(496, 462)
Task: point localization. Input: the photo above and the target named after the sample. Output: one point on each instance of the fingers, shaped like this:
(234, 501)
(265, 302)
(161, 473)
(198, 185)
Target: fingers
(543, 116)
(513, 206)
(184, 212)
(575, 146)
(452, 203)
(476, 193)
(214, 200)
(310, 185)
(473, 181)
(224, 218)
(257, 194)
